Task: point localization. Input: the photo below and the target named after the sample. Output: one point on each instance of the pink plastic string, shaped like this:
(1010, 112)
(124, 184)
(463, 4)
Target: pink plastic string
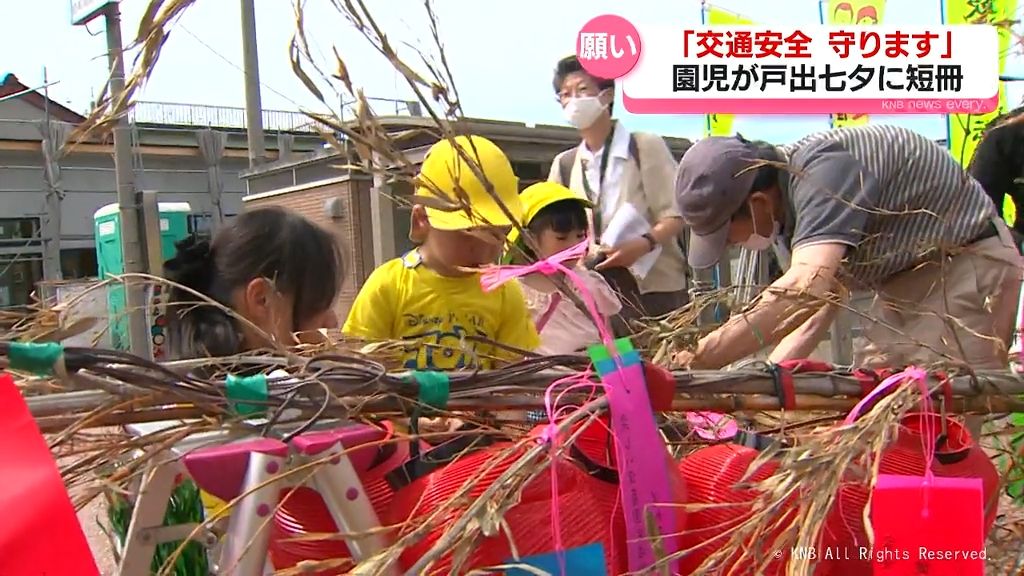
(708, 425)
(712, 425)
(1020, 329)
(919, 377)
(550, 435)
(495, 276)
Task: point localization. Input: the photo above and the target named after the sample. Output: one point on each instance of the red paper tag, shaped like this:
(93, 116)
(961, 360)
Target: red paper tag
(40, 534)
(934, 529)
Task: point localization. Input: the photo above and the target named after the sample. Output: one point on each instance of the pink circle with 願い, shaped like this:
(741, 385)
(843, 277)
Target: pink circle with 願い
(608, 46)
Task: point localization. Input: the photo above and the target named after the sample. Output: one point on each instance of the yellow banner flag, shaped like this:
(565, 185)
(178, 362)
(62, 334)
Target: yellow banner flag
(965, 129)
(860, 13)
(721, 124)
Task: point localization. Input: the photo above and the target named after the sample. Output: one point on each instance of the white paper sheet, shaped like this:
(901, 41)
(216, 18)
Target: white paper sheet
(628, 224)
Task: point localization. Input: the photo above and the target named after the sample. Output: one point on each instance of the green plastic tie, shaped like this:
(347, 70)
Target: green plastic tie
(252, 388)
(34, 357)
(435, 388)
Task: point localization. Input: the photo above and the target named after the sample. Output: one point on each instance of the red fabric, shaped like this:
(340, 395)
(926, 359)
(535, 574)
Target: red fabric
(787, 391)
(918, 527)
(868, 381)
(661, 387)
(805, 365)
(39, 519)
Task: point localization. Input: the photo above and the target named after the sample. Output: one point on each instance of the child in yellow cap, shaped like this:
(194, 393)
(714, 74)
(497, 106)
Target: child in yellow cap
(556, 218)
(431, 296)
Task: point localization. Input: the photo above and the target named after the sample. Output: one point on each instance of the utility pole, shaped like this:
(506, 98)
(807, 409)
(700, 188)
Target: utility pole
(54, 191)
(253, 106)
(127, 198)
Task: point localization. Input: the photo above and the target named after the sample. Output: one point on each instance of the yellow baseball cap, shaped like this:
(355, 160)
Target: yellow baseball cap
(445, 175)
(539, 196)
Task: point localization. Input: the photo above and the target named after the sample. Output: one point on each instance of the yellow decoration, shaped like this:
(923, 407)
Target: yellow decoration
(860, 13)
(965, 129)
(721, 124)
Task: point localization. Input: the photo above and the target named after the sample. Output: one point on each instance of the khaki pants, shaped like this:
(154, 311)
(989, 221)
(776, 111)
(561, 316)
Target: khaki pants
(958, 311)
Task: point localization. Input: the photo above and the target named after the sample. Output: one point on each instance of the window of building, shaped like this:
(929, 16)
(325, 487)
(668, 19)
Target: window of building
(19, 274)
(530, 173)
(402, 191)
(19, 232)
(78, 263)
(201, 224)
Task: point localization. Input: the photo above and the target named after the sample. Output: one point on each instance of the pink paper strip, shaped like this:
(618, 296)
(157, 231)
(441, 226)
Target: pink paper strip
(643, 465)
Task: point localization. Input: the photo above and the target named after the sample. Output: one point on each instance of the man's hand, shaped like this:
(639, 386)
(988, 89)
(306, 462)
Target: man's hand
(625, 255)
(683, 359)
(440, 425)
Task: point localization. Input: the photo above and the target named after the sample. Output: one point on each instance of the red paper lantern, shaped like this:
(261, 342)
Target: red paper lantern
(304, 512)
(844, 537)
(719, 507)
(588, 511)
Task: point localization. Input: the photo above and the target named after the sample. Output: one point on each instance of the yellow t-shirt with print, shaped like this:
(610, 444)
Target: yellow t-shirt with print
(405, 300)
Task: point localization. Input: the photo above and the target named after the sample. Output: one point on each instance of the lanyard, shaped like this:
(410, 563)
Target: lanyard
(556, 299)
(596, 198)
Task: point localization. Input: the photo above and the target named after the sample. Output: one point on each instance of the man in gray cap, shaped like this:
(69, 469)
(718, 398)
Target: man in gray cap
(877, 208)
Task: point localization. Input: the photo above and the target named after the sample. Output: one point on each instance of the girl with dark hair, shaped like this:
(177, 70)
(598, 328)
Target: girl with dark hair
(556, 218)
(277, 270)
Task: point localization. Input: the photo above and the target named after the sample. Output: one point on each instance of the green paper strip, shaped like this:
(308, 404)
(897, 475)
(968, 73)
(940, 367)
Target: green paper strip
(598, 353)
(623, 345)
(434, 388)
(251, 388)
(35, 358)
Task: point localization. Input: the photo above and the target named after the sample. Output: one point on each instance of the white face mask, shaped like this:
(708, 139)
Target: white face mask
(759, 243)
(583, 111)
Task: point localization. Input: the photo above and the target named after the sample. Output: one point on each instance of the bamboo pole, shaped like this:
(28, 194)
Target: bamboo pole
(734, 403)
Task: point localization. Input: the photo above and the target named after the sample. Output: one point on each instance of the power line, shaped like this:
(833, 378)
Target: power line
(234, 65)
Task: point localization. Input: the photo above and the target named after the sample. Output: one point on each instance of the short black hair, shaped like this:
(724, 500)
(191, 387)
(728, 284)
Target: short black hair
(302, 259)
(571, 65)
(767, 174)
(563, 217)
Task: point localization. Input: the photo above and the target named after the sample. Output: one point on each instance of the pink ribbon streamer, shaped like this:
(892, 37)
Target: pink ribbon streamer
(494, 276)
(707, 425)
(918, 376)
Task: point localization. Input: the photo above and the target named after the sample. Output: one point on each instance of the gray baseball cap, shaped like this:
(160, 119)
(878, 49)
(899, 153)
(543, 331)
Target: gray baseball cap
(712, 183)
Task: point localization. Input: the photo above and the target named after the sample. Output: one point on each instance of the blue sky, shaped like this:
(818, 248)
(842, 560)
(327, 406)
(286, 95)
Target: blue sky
(501, 53)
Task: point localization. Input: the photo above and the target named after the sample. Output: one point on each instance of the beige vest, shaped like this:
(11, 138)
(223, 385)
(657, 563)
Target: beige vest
(650, 188)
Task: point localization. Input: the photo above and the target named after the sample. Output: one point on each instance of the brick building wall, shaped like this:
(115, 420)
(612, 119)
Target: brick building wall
(351, 229)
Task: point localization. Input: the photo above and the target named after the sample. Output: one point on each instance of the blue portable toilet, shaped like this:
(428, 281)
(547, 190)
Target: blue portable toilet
(174, 226)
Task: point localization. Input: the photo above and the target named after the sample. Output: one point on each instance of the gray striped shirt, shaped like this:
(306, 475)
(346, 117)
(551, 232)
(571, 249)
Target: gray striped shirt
(896, 197)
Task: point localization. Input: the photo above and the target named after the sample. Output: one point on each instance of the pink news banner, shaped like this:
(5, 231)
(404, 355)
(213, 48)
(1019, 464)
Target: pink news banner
(665, 69)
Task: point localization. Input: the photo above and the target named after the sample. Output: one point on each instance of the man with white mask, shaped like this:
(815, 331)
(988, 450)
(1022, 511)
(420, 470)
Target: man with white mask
(628, 178)
(871, 208)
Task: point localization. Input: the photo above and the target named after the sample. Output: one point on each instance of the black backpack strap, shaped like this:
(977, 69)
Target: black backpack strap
(634, 153)
(565, 163)
(567, 159)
